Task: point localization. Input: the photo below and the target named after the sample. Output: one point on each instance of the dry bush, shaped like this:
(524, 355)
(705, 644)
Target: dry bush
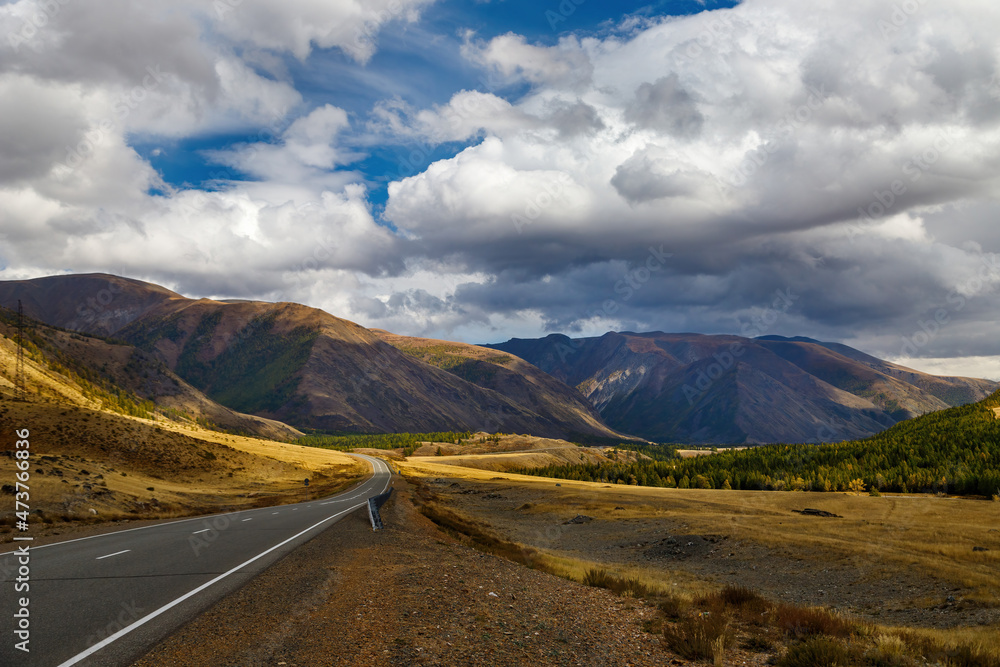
(624, 586)
(598, 578)
(816, 652)
(672, 607)
(747, 604)
(631, 587)
(700, 636)
(970, 656)
(804, 622)
(888, 651)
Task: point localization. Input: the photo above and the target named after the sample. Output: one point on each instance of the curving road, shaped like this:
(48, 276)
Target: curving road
(105, 600)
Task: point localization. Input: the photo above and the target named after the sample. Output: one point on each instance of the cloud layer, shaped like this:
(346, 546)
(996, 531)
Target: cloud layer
(669, 173)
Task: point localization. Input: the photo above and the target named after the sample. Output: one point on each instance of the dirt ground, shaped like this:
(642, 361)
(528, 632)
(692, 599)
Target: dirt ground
(662, 537)
(411, 595)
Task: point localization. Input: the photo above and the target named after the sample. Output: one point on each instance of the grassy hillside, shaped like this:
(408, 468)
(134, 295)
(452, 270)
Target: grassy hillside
(955, 451)
(108, 374)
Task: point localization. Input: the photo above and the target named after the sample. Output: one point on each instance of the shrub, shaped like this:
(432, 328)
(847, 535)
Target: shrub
(816, 652)
(803, 622)
(624, 586)
(889, 651)
(672, 607)
(630, 587)
(968, 656)
(598, 578)
(700, 636)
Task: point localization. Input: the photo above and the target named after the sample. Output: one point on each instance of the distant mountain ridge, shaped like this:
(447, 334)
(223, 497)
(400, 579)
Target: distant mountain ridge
(305, 367)
(698, 388)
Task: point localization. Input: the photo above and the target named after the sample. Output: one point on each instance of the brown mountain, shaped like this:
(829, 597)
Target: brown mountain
(98, 373)
(728, 389)
(504, 373)
(300, 365)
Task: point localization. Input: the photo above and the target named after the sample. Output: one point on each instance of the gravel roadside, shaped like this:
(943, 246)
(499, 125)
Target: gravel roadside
(410, 595)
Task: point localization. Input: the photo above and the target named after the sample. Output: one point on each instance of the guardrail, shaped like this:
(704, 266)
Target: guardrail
(374, 503)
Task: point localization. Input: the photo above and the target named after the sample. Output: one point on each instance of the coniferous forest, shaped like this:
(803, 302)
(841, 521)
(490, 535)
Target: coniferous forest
(954, 451)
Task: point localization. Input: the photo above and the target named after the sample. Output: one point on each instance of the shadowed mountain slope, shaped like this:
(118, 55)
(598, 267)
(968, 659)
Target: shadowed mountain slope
(301, 365)
(728, 389)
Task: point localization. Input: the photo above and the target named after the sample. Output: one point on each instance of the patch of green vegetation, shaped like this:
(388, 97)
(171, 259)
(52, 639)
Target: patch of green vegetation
(477, 370)
(143, 334)
(256, 373)
(189, 366)
(955, 451)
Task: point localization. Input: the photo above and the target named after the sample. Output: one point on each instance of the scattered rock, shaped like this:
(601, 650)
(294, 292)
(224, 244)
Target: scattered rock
(814, 512)
(580, 518)
(619, 508)
(980, 549)
(682, 547)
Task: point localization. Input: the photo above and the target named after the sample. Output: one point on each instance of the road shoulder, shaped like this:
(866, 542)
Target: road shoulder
(409, 595)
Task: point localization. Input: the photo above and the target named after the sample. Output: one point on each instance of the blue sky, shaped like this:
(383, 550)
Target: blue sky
(481, 170)
(420, 64)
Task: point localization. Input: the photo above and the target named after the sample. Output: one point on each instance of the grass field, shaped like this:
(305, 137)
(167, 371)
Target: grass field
(926, 564)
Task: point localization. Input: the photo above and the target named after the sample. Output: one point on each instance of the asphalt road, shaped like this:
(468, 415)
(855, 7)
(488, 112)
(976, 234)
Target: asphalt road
(105, 600)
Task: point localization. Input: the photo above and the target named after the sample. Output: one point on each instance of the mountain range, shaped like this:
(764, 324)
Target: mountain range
(276, 369)
(305, 367)
(694, 388)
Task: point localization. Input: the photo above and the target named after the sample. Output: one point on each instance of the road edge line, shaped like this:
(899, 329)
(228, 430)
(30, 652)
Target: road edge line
(170, 605)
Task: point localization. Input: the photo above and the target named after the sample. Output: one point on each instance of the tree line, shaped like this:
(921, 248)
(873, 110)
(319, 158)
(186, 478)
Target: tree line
(954, 451)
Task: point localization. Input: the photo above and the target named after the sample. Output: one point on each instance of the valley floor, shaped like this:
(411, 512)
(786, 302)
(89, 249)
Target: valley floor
(419, 594)
(410, 595)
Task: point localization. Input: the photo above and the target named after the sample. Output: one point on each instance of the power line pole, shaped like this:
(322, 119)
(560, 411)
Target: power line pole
(20, 388)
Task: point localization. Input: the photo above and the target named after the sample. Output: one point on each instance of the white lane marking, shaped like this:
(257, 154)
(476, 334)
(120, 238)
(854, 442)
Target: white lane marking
(203, 530)
(273, 513)
(250, 519)
(117, 553)
(168, 523)
(142, 621)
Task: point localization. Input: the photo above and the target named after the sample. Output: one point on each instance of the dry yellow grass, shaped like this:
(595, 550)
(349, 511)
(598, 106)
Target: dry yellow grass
(876, 540)
(934, 535)
(88, 461)
(504, 461)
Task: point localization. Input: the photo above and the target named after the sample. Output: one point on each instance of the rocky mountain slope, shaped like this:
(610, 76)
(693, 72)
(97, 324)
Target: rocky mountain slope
(728, 389)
